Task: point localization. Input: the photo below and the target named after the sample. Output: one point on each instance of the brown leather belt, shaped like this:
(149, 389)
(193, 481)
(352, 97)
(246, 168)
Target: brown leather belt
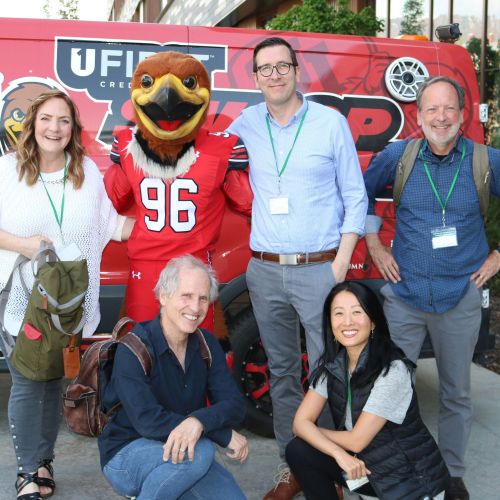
(294, 259)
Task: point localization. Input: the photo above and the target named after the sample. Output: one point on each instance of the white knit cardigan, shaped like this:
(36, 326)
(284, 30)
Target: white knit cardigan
(89, 220)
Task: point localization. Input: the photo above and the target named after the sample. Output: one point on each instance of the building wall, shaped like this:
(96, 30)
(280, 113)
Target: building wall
(198, 12)
(123, 10)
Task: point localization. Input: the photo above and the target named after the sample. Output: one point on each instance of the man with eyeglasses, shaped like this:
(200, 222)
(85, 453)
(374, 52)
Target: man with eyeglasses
(308, 211)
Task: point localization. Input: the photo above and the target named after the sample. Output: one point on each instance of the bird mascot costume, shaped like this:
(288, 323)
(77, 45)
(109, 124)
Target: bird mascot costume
(178, 174)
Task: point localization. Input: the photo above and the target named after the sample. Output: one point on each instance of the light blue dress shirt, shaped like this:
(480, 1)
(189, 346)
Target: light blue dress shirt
(322, 180)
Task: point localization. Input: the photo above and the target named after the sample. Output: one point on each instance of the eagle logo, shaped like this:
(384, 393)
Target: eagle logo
(14, 103)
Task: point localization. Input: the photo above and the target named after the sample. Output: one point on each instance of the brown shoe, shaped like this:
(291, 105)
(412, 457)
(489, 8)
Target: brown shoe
(286, 485)
(340, 491)
(456, 490)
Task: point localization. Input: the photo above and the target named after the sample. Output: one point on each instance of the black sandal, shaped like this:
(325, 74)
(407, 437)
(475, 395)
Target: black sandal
(46, 482)
(23, 479)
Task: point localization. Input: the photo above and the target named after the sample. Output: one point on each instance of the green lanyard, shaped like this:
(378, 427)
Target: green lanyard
(433, 186)
(59, 218)
(349, 398)
(291, 149)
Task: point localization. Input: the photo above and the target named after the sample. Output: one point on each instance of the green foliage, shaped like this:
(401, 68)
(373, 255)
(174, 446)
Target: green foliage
(67, 9)
(411, 23)
(492, 87)
(318, 16)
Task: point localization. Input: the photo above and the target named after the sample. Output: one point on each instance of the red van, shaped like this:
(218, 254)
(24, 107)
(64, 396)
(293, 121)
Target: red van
(372, 81)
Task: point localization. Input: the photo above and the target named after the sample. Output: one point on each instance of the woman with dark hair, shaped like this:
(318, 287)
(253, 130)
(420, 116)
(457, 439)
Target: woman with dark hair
(49, 191)
(380, 440)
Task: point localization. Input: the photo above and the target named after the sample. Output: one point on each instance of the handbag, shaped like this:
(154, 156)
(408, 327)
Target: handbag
(54, 314)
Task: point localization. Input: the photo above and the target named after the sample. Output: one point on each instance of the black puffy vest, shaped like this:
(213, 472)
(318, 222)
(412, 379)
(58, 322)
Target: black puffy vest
(404, 460)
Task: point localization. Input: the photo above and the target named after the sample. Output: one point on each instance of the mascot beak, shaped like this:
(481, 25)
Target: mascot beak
(170, 108)
(13, 125)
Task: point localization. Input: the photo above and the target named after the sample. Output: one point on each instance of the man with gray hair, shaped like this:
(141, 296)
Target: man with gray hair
(160, 443)
(440, 258)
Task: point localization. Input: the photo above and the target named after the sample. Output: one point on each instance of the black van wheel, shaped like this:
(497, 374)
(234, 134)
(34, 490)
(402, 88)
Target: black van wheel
(251, 373)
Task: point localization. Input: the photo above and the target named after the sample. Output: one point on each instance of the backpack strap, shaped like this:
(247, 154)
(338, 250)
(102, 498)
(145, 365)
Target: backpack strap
(136, 345)
(8, 342)
(404, 168)
(482, 177)
(204, 349)
(115, 334)
(74, 331)
(45, 253)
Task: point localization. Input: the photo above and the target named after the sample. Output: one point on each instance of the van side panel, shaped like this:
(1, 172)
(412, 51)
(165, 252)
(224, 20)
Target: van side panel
(93, 62)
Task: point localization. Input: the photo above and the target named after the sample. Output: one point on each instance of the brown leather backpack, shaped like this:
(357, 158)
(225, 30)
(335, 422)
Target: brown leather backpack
(82, 400)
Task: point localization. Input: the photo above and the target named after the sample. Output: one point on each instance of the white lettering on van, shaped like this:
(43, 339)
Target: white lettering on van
(129, 66)
(357, 265)
(111, 84)
(76, 62)
(108, 62)
(83, 61)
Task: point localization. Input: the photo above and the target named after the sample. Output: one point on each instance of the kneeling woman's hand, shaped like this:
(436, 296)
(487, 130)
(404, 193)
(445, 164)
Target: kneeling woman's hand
(352, 466)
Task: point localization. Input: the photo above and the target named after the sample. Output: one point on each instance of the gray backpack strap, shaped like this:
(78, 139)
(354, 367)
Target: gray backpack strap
(75, 331)
(482, 177)
(404, 168)
(8, 342)
(45, 253)
(204, 349)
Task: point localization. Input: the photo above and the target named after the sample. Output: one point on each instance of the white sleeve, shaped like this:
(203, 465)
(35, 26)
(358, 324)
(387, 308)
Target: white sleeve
(120, 222)
(391, 395)
(321, 387)
(108, 217)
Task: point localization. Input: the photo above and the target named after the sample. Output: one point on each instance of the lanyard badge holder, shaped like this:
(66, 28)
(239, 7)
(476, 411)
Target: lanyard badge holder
(64, 252)
(443, 236)
(278, 205)
(353, 484)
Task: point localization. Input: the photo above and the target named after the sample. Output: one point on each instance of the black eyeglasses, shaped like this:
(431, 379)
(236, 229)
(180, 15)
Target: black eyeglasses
(283, 68)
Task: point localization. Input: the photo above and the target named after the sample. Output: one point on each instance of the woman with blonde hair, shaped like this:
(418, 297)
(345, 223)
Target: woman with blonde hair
(49, 191)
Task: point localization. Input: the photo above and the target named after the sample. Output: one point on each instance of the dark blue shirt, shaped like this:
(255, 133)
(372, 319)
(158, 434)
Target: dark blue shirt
(433, 280)
(152, 406)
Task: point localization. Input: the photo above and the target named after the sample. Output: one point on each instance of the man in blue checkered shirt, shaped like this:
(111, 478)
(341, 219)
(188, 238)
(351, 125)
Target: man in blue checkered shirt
(440, 257)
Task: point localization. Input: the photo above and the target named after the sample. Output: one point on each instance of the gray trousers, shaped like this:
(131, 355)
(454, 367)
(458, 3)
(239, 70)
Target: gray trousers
(453, 335)
(35, 413)
(281, 296)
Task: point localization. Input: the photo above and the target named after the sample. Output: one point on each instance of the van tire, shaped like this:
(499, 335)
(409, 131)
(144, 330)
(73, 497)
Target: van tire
(251, 373)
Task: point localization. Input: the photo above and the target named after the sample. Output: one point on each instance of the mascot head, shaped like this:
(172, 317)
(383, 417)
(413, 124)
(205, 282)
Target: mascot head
(170, 94)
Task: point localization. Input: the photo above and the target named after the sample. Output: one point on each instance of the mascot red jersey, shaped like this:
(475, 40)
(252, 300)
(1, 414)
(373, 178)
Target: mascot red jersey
(178, 174)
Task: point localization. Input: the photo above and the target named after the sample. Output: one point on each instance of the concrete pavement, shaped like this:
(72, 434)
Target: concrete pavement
(79, 477)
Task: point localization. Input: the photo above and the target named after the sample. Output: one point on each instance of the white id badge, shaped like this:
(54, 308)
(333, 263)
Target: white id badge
(69, 252)
(278, 205)
(354, 484)
(444, 237)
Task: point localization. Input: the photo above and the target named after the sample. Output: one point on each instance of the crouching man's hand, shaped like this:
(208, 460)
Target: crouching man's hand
(182, 440)
(238, 447)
